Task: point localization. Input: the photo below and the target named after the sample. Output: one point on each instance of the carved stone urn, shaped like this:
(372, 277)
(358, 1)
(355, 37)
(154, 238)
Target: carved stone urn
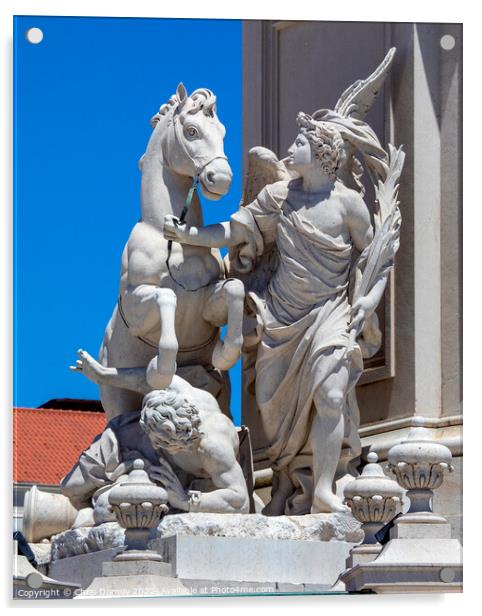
(419, 464)
(138, 505)
(373, 498)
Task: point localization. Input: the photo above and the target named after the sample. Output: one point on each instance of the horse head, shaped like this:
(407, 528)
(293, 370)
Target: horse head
(188, 138)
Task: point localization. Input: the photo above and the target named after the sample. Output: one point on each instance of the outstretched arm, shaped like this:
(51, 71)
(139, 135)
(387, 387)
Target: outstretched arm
(127, 378)
(218, 454)
(218, 458)
(213, 236)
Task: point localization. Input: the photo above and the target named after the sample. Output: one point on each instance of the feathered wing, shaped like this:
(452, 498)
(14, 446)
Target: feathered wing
(264, 168)
(358, 98)
(348, 116)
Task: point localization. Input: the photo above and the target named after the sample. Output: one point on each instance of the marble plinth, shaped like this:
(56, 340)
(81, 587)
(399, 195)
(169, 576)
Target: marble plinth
(411, 562)
(302, 551)
(321, 527)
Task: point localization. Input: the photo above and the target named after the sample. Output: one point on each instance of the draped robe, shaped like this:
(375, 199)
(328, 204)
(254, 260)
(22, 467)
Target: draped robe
(303, 316)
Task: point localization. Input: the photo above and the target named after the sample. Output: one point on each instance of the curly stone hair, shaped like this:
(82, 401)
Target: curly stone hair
(326, 143)
(170, 418)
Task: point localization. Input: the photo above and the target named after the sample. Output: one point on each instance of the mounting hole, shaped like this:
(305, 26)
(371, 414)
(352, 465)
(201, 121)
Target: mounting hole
(447, 575)
(34, 580)
(34, 36)
(447, 42)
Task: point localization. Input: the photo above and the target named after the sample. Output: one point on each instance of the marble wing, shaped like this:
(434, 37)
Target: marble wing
(348, 116)
(264, 168)
(358, 98)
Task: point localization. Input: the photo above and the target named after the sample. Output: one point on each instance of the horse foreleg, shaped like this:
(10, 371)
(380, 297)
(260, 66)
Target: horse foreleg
(162, 368)
(225, 306)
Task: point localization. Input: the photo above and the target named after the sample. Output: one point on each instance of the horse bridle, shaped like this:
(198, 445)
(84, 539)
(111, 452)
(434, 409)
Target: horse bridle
(199, 168)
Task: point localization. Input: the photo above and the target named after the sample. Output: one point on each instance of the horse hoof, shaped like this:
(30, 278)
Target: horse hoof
(156, 379)
(226, 353)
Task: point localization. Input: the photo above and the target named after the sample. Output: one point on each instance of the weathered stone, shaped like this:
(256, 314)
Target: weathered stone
(313, 527)
(86, 540)
(321, 527)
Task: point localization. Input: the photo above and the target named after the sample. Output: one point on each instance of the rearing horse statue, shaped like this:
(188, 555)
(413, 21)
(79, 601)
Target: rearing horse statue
(173, 298)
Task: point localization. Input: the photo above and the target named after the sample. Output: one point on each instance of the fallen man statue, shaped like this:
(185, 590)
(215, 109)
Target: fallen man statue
(187, 444)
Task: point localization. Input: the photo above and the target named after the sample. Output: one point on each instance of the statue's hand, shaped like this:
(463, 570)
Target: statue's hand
(174, 229)
(177, 495)
(360, 311)
(88, 366)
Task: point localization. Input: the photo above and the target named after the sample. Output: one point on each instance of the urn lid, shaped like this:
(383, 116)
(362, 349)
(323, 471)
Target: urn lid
(419, 447)
(373, 482)
(137, 488)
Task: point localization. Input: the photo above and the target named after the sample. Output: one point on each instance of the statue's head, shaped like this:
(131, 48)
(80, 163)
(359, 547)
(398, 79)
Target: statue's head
(169, 420)
(317, 143)
(189, 139)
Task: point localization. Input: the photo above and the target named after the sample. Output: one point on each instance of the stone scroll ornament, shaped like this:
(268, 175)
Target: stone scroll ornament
(258, 261)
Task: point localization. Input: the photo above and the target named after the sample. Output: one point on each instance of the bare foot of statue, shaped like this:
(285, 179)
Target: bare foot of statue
(327, 502)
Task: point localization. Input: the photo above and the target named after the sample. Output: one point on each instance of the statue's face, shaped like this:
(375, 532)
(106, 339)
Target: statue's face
(300, 155)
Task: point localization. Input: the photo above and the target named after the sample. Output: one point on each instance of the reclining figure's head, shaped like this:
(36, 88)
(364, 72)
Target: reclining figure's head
(169, 420)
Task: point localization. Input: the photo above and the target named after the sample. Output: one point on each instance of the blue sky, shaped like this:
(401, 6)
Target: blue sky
(83, 100)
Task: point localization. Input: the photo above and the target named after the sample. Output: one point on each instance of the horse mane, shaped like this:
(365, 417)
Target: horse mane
(202, 99)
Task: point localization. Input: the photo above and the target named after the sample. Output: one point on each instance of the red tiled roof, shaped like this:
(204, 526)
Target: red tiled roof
(47, 443)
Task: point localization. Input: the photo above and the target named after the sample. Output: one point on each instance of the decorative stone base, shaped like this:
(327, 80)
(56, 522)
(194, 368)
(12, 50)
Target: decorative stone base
(418, 558)
(385, 578)
(271, 562)
(206, 551)
(317, 527)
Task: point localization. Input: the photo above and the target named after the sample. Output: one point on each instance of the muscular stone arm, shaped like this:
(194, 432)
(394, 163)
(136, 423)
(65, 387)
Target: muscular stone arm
(126, 378)
(219, 460)
(213, 236)
(361, 232)
(358, 221)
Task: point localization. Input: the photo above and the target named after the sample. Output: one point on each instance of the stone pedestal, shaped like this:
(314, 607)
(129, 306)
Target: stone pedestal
(421, 556)
(131, 578)
(268, 562)
(215, 554)
(374, 500)
(411, 562)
